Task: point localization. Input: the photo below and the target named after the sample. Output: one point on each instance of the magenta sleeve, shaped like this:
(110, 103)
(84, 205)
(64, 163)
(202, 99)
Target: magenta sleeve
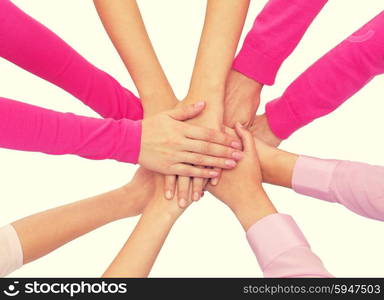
(282, 250)
(58, 133)
(33, 47)
(275, 34)
(330, 81)
(357, 186)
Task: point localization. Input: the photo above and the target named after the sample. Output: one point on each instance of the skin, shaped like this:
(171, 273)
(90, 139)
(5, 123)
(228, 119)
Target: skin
(260, 129)
(250, 203)
(139, 253)
(223, 24)
(242, 99)
(46, 231)
(169, 146)
(124, 24)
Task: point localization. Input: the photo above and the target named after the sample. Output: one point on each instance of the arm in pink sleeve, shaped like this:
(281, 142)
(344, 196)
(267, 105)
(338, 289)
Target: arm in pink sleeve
(35, 48)
(275, 34)
(330, 81)
(282, 250)
(31, 128)
(11, 253)
(357, 186)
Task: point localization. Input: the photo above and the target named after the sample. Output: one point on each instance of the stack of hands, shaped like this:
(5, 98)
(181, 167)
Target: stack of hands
(202, 143)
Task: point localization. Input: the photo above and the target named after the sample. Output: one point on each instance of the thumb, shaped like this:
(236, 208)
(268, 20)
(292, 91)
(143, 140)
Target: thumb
(186, 112)
(246, 138)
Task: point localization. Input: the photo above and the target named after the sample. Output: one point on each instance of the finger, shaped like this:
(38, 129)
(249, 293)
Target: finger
(207, 161)
(170, 186)
(246, 137)
(212, 149)
(183, 193)
(215, 181)
(197, 188)
(191, 171)
(211, 135)
(186, 112)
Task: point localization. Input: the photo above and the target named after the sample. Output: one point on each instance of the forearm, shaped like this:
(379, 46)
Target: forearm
(277, 166)
(275, 34)
(250, 209)
(139, 253)
(46, 231)
(223, 25)
(124, 24)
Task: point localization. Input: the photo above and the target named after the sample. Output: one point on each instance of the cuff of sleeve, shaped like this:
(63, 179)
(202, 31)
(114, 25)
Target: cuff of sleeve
(313, 176)
(272, 236)
(135, 108)
(129, 149)
(281, 119)
(11, 253)
(256, 65)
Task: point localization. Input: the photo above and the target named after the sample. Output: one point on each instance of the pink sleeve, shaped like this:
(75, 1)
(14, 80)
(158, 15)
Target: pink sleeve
(275, 34)
(31, 128)
(357, 186)
(282, 250)
(11, 253)
(33, 47)
(330, 81)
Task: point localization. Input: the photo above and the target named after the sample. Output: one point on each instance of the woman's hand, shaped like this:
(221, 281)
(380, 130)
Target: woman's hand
(168, 144)
(260, 129)
(242, 99)
(241, 189)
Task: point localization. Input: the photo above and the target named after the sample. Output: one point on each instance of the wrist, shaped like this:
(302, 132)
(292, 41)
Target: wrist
(253, 208)
(163, 211)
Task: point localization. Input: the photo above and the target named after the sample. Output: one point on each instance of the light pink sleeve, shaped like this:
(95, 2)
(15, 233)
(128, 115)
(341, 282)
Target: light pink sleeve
(330, 81)
(11, 253)
(33, 47)
(282, 250)
(357, 186)
(32, 128)
(275, 34)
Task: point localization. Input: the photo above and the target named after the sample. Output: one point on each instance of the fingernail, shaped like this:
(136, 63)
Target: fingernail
(236, 145)
(199, 104)
(182, 202)
(237, 155)
(214, 181)
(168, 194)
(196, 196)
(213, 174)
(230, 163)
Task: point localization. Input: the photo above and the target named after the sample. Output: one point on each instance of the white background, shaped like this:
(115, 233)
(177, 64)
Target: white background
(207, 240)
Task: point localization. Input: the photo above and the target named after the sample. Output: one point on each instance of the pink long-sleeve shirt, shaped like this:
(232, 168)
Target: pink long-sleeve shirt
(330, 81)
(357, 186)
(282, 250)
(275, 34)
(28, 44)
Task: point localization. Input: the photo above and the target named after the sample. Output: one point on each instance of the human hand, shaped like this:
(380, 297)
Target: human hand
(246, 197)
(192, 188)
(168, 145)
(260, 129)
(242, 99)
